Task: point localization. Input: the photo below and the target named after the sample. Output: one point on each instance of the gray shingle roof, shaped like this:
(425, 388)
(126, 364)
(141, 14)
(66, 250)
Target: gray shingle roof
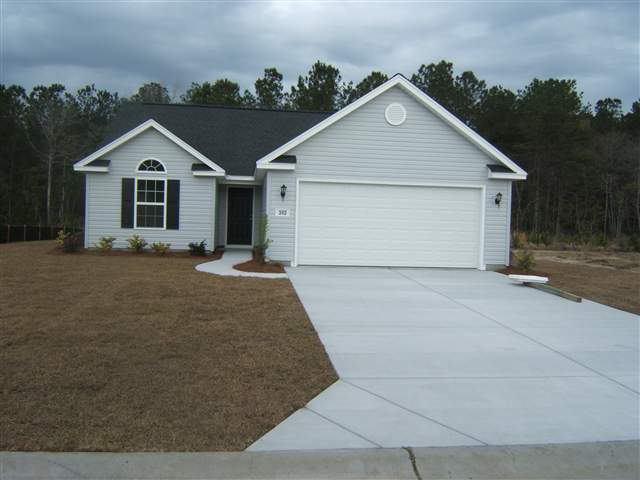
(234, 138)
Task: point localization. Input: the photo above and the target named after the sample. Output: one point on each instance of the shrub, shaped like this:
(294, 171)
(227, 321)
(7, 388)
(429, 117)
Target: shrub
(137, 243)
(262, 242)
(628, 243)
(61, 237)
(198, 249)
(105, 244)
(160, 248)
(540, 239)
(519, 240)
(525, 260)
(69, 242)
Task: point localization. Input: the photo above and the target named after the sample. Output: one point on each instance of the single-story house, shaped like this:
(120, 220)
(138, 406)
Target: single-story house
(392, 179)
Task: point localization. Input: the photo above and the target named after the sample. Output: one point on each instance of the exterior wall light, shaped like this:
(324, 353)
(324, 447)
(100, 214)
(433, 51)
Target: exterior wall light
(498, 198)
(283, 191)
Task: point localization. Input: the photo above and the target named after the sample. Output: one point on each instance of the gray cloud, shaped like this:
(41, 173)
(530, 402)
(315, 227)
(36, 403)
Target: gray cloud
(119, 45)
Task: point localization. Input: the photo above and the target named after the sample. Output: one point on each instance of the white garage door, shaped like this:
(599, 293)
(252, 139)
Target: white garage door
(388, 225)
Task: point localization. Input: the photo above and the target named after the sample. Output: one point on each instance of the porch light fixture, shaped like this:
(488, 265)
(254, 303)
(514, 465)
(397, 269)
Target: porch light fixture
(498, 198)
(283, 191)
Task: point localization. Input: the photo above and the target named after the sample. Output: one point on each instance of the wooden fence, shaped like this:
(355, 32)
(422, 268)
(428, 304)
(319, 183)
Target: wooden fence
(30, 233)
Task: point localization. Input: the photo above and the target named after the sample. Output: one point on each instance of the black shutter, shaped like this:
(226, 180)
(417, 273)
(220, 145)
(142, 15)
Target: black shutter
(126, 212)
(173, 204)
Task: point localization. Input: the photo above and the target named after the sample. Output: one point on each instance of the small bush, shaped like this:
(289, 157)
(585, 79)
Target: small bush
(61, 237)
(160, 248)
(105, 244)
(69, 242)
(519, 240)
(137, 243)
(262, 243)
(525, 260)
(198, 249)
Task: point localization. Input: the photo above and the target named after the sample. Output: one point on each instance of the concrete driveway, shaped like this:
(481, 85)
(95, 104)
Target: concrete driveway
(431, 357)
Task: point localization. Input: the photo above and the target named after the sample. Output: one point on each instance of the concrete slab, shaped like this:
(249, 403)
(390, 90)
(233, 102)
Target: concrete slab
(590, 339)
(503, 411)
(462, 364)
(556, 313)
(306, 430)
(631, 381)
(610, 460)
(382, 422)
(326, 464)
(447, 357)
(231, 257)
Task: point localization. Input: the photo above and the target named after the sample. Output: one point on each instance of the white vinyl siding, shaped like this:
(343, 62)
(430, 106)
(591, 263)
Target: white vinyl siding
(496, 227)
(363, 146)
(197, 194)
(281, 229)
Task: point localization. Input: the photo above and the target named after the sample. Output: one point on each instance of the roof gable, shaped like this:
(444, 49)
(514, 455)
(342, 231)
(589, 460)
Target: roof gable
(229, 137)
(85, 163)
(422, 98)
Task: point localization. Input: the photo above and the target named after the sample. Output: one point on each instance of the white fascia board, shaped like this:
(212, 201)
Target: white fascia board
(425, 99)
(276, 166)
(90, 169)
(205, 173)
(240, 180)
(137, 131)
(506, 176)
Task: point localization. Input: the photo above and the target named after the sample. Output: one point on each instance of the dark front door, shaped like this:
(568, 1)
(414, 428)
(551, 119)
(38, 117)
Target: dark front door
(239, 216)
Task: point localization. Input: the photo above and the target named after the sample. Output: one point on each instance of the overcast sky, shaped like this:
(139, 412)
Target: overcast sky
(120, 45)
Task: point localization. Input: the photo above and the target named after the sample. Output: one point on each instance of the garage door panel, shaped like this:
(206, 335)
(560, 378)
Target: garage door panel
(388, 225)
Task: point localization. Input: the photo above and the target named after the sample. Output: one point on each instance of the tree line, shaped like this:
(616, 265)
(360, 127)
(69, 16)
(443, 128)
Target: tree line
(583, 160)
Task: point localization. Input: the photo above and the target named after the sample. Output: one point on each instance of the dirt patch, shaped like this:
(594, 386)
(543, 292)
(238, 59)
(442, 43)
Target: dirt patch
(125, 352)
(611, 278)
(612, 260)
(253, 266)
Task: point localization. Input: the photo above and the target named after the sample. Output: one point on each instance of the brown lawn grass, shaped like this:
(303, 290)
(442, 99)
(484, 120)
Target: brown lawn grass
(143, 353)
(611, 278)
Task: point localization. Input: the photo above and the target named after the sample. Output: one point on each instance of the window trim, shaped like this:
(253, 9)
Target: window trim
(150, 172)
(135, 203)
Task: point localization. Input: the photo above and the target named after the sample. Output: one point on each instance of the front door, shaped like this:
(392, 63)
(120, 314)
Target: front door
(239, 216)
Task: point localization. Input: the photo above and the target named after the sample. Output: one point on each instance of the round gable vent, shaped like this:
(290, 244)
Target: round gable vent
(395, 114)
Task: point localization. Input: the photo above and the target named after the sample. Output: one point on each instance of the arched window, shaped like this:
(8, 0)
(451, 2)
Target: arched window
(150, 195)
(151, 166)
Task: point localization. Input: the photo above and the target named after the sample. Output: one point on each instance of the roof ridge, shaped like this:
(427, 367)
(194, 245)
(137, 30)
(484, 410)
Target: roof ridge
(230, 107)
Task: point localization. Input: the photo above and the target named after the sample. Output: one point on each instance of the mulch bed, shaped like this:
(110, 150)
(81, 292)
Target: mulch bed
(253, 266)
(129, 253)
(124, 352)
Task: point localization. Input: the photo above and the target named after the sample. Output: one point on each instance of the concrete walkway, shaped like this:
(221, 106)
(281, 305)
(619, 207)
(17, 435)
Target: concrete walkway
(231, 257)
(431, 357)
(614, 460)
